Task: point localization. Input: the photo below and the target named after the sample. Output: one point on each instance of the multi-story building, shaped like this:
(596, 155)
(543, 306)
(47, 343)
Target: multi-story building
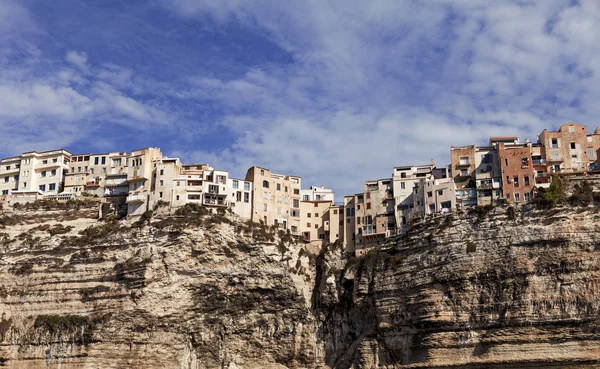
(166, 171)
(240, 199)
(488, 175)
(538, 161)
(408, 196)
(34, 173)
(140, 172)
(313, 217)
(316, 193)
(463, 172)
(517, 171)
(439, 194)
(10, 169)
(349, 224)
(88, 173)
(570, 149)
(275, 198)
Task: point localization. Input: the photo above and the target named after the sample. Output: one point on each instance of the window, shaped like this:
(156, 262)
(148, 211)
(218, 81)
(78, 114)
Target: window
(246, 186)
(177, 197)
(43, 173)
(96, 160)
(296, 191)
(402, 185)
(278, 186)
(79, 169)
(368, 195)
(368, 205)
(286, 189)
(316, 205)
(53, 173)
(572, 145)
(42, 187)
(506, 161)
(6, 179)
(246, 197)
(24, 184)
(265, 195)
(265, 184)
(571, 128)
(430, 194)
(5, 192)
(358, 207)
(464, 172)
(554, 143)
(295, 213)
(316, 226)
(162, 171)
(403, 175)
(264, 207)
(296, 203)
(464, 160)
(334, 211)
(161, 183)
(321, 236)
(8, 167)
(308, 225)
(526, 196)
(348, 220)
(440, 192)
(92, 170)
(236, 184)
(72, 169)
(238, 196)
(316, 215)
(517, 197)
(262, 172)
(103, 160)
(44, 161)
(306, 198)
(524, 161)
(52, 186)
(526, 180)
(590, 152)
(295, 180)
(160, 195)
(309, 215)
(516, 181)
(16, 178)
(357, 220)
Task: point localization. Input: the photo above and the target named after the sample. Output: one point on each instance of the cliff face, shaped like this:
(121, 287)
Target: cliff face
(505, 289)
(191, 292)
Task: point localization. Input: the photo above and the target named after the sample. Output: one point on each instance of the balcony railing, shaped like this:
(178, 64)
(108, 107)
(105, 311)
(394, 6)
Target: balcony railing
(136, 198)
(463, 163)
(92, 184)
(210, 201)
(539, 162)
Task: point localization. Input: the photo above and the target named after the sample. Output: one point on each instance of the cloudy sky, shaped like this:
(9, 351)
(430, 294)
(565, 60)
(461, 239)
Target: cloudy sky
(335, 91)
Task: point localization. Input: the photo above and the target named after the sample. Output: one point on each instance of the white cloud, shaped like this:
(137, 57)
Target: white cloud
(78, 59)
(378, 84)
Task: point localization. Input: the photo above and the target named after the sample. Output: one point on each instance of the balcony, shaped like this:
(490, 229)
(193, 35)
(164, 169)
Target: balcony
(463, 163)
(555, 160)
(542, 179)
(92, 184)
(539, 162)
(485, 186)
(215, 201)
(136, 198)
(117, 182)
(326, 227)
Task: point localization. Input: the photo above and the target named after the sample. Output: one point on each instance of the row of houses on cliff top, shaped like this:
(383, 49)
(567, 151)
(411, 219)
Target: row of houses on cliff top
(503, 170)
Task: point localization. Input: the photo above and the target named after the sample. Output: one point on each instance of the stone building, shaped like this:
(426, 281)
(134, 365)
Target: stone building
(275, 198)
(463, 172)
(517, 171)
(140, 172)
(570, 149)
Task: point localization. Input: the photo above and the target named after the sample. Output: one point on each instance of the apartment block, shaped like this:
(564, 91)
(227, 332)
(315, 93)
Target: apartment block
(517, 171)
(439, 194)
(165, 173)
(488, 174)
(570, 149)
(240, 197)
(463, 172)
(88, 174)
(34, 173)
(140, 171)
(317, 193)
(275, 198)
(408, 191)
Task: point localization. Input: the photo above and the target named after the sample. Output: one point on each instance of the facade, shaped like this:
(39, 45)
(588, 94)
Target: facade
(35, 173)
(314, 215)
(349, 224)
(570, 149)
(140, 172)
(275, 198)
(408, 192)
(240, 197)
(463, 172)
(166, 170)
(87, 173)
(488, 175)
(517, 172)
(315, 193)
(439, 194)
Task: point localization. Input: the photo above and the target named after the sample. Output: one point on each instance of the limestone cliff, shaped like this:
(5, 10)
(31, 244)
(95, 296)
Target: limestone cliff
(499, 288)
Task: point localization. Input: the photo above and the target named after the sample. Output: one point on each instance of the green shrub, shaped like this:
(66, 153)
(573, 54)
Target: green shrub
(551, 196)
(192, 209)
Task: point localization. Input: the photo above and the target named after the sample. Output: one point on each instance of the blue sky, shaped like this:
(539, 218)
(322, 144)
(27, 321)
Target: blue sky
(335, 91)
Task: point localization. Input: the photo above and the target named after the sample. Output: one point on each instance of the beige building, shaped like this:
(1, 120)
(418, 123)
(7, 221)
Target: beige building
(275, 198)
(87, 174)
(318, 193)
(321, 223)
(349, 226)
(439, 194)
(488, 175)
(570, 149)
(408, 192)
(140, 171)
(34, 173)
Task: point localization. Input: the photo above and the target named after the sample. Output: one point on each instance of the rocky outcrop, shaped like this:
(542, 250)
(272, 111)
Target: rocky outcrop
(187, 292)
(506, 289)
(498, 288)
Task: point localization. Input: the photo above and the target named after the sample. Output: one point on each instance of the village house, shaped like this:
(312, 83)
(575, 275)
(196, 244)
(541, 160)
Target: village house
(317, 193)
(570, 149)
(140, 172)
(463, 172)
(517, 171)
(275, 198)
(488, 175)
(87, 174)
(315, 224)
(240, 199)
(408, 191)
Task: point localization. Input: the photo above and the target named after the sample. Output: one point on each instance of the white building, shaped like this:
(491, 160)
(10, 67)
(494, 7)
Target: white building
(317, 193)
(240, 197)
